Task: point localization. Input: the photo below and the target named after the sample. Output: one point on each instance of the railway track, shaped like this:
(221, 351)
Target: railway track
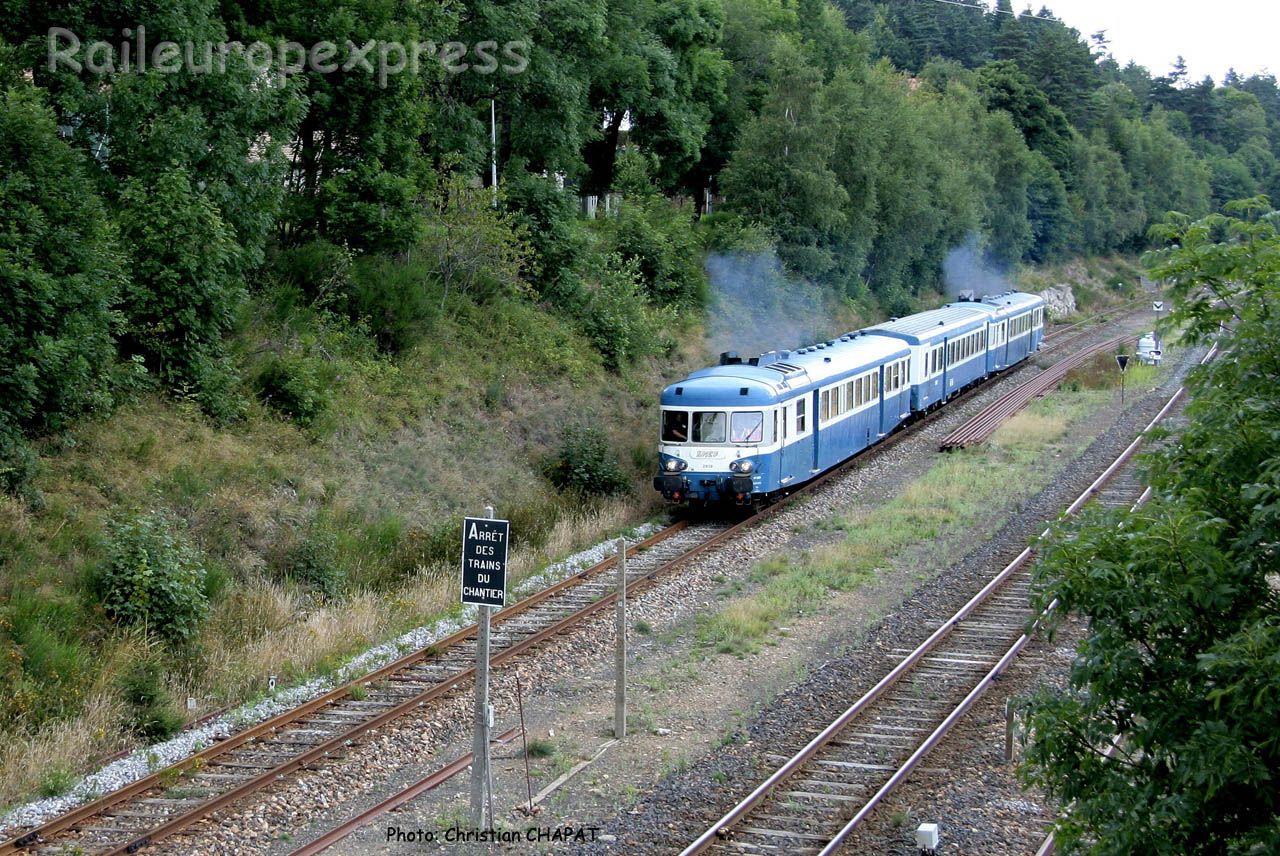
(170, 800)
(816, 798)
(984, 424)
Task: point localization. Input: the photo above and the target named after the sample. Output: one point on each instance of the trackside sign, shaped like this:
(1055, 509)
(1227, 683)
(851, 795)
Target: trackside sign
(484, 561)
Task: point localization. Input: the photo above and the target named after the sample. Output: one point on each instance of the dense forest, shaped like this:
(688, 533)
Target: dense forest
(266, 240)
(863, 140)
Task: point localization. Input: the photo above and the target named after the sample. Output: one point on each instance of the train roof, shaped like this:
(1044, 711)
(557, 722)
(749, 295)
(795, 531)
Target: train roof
(1014, 300)
(932, 325)
(779, 375)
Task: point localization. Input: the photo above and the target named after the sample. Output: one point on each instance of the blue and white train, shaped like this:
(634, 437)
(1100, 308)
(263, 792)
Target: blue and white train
(742, 431)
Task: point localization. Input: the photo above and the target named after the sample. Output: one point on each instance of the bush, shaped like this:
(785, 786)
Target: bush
(19, 466)
(399, 301)
(295, 386)
(661, 240)
(47, 666)
(152, 576)
(151, 715)
(313, 562)
(319, 270)
(586, 465)
(615, 315)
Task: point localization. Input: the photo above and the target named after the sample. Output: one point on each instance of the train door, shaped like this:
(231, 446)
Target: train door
(946, 369)
(817, 429)
(784, 470)
(880, 406)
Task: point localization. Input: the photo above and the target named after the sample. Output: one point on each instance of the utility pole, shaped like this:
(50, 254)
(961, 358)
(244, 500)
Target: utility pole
(620, 687)
(493, 150)
(481, 784)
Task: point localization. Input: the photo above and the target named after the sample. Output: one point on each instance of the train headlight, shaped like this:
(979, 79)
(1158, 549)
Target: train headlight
(674, 465)
(743, 467)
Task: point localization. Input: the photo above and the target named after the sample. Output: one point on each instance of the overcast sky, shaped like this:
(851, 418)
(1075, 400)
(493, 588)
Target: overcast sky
(1211, 36)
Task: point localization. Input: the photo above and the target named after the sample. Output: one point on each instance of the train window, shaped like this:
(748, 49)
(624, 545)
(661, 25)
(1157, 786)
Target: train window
(850, 395)
(800, 416)
(773, 435)
(709, 426)
(675, 426)
(826, 405)
(747, 427)
(785, 417)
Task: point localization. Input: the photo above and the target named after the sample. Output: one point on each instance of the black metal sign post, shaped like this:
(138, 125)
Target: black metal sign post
(1122, 360)
(484, 583)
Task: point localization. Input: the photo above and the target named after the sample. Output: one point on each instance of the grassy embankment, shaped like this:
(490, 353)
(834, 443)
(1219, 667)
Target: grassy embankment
(317, 541)
(319, 535)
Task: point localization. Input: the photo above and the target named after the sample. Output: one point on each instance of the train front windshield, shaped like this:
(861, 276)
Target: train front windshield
(710, 426)
(713, 426)
(675, 426)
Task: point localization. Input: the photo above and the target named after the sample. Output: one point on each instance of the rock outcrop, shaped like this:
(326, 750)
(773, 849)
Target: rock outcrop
(1059, 301)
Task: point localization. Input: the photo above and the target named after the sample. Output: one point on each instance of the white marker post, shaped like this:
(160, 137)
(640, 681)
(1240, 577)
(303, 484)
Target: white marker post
(620, 687)
(484, 583)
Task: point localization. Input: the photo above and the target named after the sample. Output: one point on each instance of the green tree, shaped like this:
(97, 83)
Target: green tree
(780, 175)
(1179, 669)
(354, 174)
(61, 274)
(661, 67)
(184, 289)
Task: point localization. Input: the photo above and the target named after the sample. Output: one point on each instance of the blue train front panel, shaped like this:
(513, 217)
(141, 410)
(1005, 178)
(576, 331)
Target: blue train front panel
(740, 430)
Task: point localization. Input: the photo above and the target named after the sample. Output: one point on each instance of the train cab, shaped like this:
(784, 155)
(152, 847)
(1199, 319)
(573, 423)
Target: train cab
(745, 429)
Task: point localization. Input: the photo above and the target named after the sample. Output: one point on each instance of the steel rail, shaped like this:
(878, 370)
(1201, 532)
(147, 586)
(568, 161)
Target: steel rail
(1049, 845)
(74, 817)
(175, 823)
(179, 822)
(722, 827)
(984, 424)
(933, 739)
(1104, 315)
(434, 780)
